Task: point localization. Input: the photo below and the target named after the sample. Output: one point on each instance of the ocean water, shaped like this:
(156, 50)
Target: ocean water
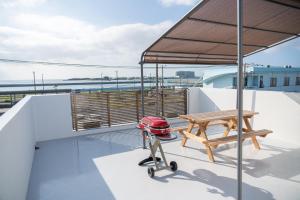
(91, 86)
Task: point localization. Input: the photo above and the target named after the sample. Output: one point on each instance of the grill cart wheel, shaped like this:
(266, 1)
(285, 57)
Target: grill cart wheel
(151, 172)
(173, 166)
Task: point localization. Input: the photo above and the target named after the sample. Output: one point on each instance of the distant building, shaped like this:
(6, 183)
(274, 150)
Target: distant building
(185, 74)
(106, 78)
(259, 78)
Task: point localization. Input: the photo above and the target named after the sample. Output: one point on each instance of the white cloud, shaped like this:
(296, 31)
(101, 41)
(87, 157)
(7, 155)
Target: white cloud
(63, 39)
(27, 3)
(293, 44)
(177, 2)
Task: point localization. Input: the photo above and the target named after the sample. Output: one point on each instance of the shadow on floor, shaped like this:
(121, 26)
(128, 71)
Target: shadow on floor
(283, 163)
(280, 162)
(219, 185)
(295, 96)
(64, 169)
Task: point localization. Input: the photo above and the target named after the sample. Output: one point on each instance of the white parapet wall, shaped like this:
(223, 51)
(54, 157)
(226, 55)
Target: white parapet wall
(277, 111)
(33, 119)
(17, 143)
(47, 117)
(53, 118)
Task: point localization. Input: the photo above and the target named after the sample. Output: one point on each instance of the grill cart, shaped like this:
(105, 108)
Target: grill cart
(154, 130)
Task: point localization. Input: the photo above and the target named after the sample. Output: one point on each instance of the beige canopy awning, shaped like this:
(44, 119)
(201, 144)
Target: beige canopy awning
(207, 36)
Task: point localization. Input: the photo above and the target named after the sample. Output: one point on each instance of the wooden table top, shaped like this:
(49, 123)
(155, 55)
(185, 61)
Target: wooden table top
(217, 115)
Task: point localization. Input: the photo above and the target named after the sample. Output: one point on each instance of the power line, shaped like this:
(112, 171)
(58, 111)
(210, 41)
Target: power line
(61, 64)
(95, 65)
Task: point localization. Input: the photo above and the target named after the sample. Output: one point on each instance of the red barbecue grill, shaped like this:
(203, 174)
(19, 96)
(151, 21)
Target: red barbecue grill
(155, 129)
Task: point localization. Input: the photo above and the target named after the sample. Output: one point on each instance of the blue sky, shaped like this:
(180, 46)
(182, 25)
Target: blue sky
(105, 13)
(109, 32)
(116, 12)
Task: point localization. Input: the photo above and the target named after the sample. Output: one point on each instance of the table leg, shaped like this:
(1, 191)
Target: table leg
(229, 127)
(189, 130)
(183, 141)
(249, 128)
(202, 128)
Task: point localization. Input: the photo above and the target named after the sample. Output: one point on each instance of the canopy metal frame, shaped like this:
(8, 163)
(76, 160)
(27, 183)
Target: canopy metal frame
(234, 59)
(160, 49)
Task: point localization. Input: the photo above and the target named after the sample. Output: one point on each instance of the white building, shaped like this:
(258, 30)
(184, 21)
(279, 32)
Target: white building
(259, 78)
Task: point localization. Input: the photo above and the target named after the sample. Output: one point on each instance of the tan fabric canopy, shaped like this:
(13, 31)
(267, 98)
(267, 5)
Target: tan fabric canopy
(207, 36)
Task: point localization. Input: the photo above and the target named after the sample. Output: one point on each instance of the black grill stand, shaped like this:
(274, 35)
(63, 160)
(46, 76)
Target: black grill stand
(154, 144)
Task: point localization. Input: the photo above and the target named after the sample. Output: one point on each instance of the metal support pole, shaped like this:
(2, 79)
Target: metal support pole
(240, 94)
(162, 91)
(157, 91)
(142, 96)
(142, 89)
(162, 76)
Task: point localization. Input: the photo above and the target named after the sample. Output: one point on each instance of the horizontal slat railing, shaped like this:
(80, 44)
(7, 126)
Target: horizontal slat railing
(106, 109)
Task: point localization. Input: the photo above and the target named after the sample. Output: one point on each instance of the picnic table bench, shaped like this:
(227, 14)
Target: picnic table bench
(227, 118)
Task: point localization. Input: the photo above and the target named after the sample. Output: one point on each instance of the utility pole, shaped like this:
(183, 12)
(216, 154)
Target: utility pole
(117, 79)
(34, 84)
(101, 82)
(43, 83)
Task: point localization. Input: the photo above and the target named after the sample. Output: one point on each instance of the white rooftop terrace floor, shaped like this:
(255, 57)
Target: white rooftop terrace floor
(104, 166)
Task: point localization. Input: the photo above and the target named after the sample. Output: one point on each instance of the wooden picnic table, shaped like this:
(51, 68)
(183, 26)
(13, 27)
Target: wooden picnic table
(227, 118)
